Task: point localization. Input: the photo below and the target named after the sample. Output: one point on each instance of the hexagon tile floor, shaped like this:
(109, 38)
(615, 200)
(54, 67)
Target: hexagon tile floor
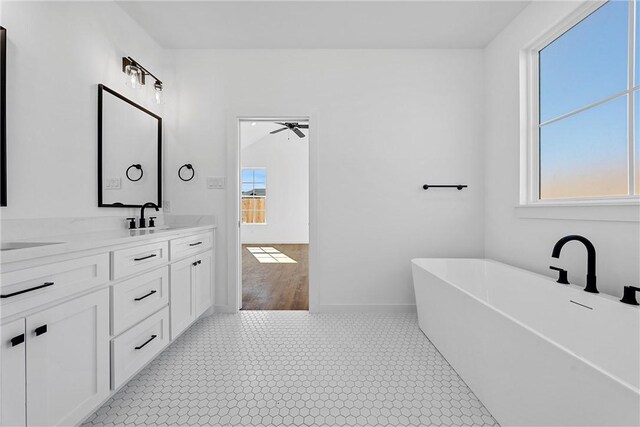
(283, 368)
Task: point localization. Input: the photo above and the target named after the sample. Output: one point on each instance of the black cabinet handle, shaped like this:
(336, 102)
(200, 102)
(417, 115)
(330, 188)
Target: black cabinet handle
(144, 296)
(196, 263)
(17, 340)
(40, 330)
(13, 294)
(195, 244)
(146, 342)
(145, 257)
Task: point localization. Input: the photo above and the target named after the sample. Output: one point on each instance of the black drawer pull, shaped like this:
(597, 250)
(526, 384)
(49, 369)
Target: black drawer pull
(195, 244)
(144, 296)
(13, 294)
(145, 257)
(146, 342)
(196, 263)
(40, 330)
(17, 340)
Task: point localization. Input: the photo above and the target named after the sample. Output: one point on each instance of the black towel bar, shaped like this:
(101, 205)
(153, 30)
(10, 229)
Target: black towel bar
(458, 186)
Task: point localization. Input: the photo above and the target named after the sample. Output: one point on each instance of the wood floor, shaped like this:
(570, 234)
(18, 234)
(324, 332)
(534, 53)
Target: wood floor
(276, 286)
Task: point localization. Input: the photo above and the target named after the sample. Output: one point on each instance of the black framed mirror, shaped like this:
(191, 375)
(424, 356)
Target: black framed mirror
(3, 116)
(129, 152)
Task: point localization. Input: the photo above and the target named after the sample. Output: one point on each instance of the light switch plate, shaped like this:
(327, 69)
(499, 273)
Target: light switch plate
(166, 206)
(112, 184)
(216, 182)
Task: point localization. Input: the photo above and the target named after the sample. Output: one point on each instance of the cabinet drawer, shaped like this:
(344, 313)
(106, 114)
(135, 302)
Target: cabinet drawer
(138, 259)
(137, 298)
(40, 285)
(185, 246)
(140, 344)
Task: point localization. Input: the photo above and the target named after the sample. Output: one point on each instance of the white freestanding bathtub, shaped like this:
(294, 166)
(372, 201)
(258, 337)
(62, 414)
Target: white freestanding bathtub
(535, 352)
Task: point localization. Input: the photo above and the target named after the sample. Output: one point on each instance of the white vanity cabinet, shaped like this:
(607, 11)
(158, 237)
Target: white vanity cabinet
(203, 291)
(13, 374)
(191, 282)
(61, 369)
(182, 296)
(76, 326)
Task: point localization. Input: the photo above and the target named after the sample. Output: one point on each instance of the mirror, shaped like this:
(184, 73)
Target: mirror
(3, 117)
(129, 152)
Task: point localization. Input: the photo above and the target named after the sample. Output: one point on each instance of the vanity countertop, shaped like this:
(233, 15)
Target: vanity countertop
(22, 250)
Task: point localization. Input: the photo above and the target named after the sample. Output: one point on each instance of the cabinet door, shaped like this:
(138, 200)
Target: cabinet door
(203, 282)
(68, 360)
(12, 374)
(181, 296)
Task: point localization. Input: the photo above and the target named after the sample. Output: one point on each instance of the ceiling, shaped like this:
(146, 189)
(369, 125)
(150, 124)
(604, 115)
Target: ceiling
(323, 24)
(252, 132)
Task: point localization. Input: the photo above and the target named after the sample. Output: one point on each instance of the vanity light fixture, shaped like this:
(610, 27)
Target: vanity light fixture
(136, 76)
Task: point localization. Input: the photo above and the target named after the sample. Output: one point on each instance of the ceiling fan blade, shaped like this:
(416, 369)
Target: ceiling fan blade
(297, 131)
(278, 130)
(303, 126)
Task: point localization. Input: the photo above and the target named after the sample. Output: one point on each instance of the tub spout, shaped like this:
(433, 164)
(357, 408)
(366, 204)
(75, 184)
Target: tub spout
(591, 259)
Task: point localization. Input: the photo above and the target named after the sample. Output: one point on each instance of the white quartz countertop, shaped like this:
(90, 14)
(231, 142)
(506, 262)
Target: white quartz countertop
(62, 244)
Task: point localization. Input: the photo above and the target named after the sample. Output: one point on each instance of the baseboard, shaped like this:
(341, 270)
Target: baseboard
(344, 308)
(224, 309)
(292, 242)
(366, 308)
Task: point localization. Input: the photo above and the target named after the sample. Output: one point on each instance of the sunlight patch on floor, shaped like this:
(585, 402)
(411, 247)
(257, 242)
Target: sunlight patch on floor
(269, 255)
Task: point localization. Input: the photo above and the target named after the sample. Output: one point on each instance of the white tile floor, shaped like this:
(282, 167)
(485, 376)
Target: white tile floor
(298, 369)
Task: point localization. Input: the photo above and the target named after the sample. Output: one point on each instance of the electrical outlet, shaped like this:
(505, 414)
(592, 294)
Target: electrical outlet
(216, 182)
(166, 206)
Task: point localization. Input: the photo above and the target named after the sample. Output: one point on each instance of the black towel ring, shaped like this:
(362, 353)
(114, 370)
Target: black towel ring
(188, 166)
(137, 166)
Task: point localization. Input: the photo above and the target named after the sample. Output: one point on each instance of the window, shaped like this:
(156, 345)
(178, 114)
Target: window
(254, 196)
(585, 141)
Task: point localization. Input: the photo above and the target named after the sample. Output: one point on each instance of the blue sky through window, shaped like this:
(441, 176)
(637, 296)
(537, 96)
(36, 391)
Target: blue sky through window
(587, 63)
(254, 179)
(586, 154)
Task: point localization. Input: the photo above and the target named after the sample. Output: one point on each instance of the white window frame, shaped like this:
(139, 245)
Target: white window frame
(266, 179)
(530, 142)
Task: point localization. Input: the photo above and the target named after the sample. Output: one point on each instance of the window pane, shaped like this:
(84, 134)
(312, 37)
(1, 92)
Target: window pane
(260, 175)
(636, 137)
(259, 217)
(246, 189)
(247, 175)
(637, 45)
(587, 63)
(247, 217)
(585, 155)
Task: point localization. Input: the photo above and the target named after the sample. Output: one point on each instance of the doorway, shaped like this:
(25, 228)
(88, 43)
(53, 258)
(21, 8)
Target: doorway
(274, 214)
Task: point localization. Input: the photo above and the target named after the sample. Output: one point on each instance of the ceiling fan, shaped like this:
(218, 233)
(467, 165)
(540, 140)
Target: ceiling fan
(295, 127)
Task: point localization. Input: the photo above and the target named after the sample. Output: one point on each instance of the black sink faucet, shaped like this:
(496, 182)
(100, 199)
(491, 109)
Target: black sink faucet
(146, 205)
(591, 259)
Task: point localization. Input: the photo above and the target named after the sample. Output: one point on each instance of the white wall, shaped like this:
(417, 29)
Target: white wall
(286, 160)
(528, 242)
(387, 122)
(58, 52)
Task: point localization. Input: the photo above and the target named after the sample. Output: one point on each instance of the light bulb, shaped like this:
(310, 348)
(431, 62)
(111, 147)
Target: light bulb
(134, 76)
(158, 94)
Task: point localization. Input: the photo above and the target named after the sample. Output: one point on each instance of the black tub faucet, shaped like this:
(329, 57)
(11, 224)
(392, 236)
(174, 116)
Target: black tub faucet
(562, 275)
(629, 296)
(591, 259)
(146, 205)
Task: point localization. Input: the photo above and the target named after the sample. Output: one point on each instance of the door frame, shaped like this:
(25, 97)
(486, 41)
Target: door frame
(233, 224)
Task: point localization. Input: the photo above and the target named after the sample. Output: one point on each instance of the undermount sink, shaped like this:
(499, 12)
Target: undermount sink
(9, 246)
